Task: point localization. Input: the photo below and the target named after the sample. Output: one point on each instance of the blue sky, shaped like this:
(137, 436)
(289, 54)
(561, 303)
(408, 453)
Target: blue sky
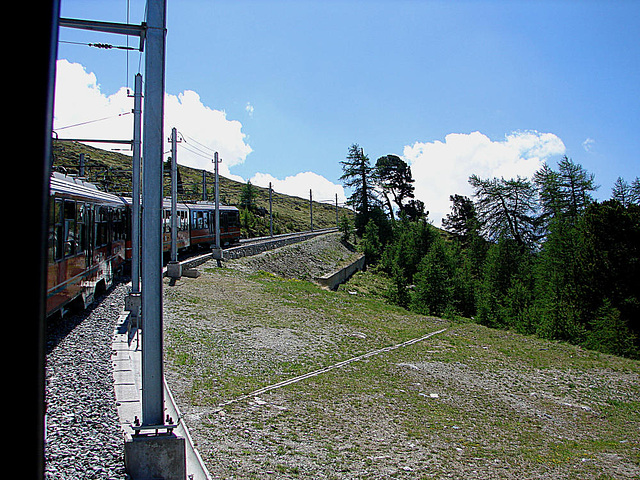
(283, 88)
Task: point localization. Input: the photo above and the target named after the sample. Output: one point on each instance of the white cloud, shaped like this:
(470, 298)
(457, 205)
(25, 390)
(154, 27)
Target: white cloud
(204, 131)
(588, 144)
(78, 99)
(441, 169)
(299, 185)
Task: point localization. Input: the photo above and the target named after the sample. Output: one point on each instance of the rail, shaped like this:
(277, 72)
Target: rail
(254, 246)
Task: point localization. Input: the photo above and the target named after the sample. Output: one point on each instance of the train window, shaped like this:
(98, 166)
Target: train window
(81, 227)
(70, 234)
(166, 221)
(118, 224)
(184, 220)
(234, 219)
(200, 220)
(182, 217)
(56, 231)
(102, 227)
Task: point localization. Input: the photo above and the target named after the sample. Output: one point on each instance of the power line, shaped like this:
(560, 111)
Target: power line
(197, 152)
(209, 151)
(93, 121)
(104, 46)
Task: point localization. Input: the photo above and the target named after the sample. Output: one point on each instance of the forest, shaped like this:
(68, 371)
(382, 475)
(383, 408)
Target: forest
(539, 255)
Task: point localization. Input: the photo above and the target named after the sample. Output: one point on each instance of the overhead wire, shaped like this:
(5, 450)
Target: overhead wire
(205, 151)
(94, 121)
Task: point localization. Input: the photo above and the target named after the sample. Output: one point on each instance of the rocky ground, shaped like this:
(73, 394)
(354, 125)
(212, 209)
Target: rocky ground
(306, 260)
(83, 435)
(469, 402)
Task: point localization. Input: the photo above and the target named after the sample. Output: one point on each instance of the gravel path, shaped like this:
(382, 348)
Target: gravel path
(84, 439)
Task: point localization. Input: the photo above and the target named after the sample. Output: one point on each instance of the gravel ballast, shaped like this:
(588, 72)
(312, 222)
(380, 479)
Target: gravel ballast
(84, 439)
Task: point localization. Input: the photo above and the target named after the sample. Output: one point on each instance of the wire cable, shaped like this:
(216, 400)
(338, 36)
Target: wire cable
(94, 121)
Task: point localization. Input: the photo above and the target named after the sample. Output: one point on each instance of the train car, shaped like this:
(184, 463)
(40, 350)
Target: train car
(196, 226)
(183, 237)
(86, 242)
(183, 242)
(202, 222)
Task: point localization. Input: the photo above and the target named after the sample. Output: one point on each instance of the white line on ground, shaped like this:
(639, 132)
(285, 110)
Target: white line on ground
(330, 367)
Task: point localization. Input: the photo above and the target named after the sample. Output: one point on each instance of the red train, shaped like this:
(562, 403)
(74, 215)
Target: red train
(90, 238)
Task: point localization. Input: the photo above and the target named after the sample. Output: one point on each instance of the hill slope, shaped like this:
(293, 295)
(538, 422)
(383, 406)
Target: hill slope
(112, 172)
(470, 402)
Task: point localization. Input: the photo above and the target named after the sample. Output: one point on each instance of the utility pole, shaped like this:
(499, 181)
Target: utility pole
(133, 300)
(217, 254)
(174, 269)
(311, 207)
(146, 453)
(270, 212)
(174, 194)
(137, 143)
(337, 223)
(216, 161)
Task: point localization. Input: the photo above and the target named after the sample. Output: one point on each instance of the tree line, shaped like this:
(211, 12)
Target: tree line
(537, 256)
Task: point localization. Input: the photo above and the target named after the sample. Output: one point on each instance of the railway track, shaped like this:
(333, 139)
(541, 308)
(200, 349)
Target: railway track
(253, 246)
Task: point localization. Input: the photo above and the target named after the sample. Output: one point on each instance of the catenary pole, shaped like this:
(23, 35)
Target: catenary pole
(153, 140)
(217, 180)
(135, 221)
(174, 195)
(311, 207)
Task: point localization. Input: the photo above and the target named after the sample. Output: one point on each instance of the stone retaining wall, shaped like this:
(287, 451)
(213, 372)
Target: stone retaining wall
(332, 280)
(263, 246)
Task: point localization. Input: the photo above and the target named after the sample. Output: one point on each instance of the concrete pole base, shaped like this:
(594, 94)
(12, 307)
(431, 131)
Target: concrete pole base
(174, 270)
(156, 456)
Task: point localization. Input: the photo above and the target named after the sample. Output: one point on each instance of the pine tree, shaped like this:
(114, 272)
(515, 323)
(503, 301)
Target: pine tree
(393, 176)
(357, 173)
(626, 194)
(434, 291)
(462, 221)
(506, 208)
(565, 192)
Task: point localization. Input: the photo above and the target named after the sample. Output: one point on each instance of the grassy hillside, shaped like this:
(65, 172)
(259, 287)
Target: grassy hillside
(469, 402)
(112, 172)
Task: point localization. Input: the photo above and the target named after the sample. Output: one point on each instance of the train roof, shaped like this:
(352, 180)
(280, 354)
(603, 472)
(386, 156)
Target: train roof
(78, 188)
(210, 206)
(166, 203)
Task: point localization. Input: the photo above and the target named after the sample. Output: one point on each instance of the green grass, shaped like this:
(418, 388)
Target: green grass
(469, 399)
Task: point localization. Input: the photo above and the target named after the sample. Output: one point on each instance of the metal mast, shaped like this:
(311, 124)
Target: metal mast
(152, 368)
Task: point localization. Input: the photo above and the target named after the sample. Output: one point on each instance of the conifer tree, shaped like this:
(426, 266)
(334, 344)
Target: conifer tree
(357, 173)
(393, 176)
(506, 208)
